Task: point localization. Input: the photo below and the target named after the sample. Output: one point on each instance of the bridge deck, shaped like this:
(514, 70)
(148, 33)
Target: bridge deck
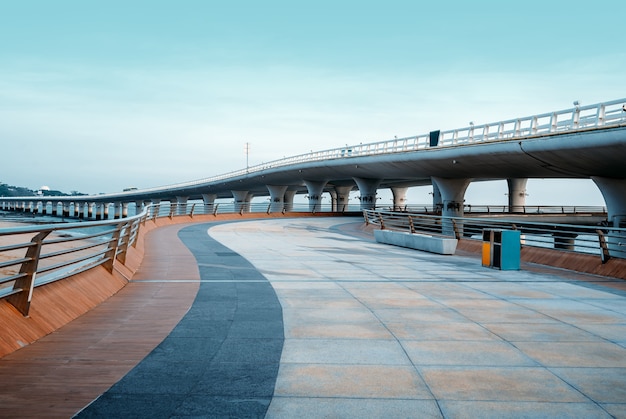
(454, 336)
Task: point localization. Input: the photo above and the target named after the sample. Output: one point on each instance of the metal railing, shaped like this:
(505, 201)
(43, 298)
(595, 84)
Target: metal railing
(41, 254)
(601, 240)
(580, 118)
(503, 209)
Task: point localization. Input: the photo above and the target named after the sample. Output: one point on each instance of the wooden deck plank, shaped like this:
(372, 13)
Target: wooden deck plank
(61, 373)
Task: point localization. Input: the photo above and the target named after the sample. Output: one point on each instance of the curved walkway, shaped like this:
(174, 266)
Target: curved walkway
(61, 373)
(221, 360)
(361, 330)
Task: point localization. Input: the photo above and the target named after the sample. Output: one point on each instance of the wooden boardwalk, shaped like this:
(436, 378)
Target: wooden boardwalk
(61, 373)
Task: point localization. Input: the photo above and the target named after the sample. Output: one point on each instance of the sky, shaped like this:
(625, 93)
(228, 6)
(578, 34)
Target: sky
(100, 96)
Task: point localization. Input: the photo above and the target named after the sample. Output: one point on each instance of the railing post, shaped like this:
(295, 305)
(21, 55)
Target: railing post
(455, 228)
(21, 299)
(112, 250)
(604, 248)
(215, 210)
(411, 225)
(124, 241)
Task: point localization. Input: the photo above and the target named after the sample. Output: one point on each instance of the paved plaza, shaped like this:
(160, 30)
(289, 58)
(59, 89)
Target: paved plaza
(311, 318)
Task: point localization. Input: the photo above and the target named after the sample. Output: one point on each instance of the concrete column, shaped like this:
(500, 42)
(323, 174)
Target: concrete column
(289, 195)
(343, 196)
(209, 202)
(55, 209)
(437, 202)
(124, 209)
(242, 202)
(367, 189)
(452, 197)
(139, 205)
(614, 193)
(66, 209)
(105, 210)
(181, 205)
(517, 194)
(117, 210)
(333, 200)
(81, 209)
(399, 198)
(277, 197)
(564, 241)
(315, 190)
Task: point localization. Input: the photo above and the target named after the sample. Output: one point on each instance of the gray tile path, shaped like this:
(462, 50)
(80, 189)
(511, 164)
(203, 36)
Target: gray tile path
(378, 331)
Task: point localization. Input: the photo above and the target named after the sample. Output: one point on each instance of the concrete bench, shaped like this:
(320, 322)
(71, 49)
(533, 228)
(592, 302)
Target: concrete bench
(433, 244)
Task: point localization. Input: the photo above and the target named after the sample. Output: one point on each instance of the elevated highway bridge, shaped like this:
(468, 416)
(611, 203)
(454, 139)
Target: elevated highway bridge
(586, 142)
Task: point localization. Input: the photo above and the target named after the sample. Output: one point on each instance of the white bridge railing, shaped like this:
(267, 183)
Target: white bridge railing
(579, 118)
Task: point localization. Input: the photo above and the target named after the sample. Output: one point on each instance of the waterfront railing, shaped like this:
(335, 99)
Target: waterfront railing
(602, 240)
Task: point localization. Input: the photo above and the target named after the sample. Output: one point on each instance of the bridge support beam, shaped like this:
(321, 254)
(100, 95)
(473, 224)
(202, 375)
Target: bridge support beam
(342, 197)
(399, 198)
(117, 210)
(517, 194)
(452, 199)
(614, 193)
(209, 202)
(564, 241)
(242, 201)
(367, 189)
(289, 195)
(277, 197)
(181, 205)
(139, 205)
(315, 190)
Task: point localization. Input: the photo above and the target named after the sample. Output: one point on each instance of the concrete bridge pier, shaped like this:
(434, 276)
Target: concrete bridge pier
(315, 190)
(517, 194)
(614, 193)
(124, 209)
(564, 241)
(342, 197)
(98, 211)
(242, 200)
(399, 197)
(117, 210)
(181, 205)
(139, 205)
(437, 202)
(277, 197)
(367, 189)
(289, 196)
(156, 205)
(208, 199)
(105, 211)
(80, 209)
(66, 209)
(452, 200)
(90, 208)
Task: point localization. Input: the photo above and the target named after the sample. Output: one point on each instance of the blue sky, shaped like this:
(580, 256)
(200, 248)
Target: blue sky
(98, 96)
